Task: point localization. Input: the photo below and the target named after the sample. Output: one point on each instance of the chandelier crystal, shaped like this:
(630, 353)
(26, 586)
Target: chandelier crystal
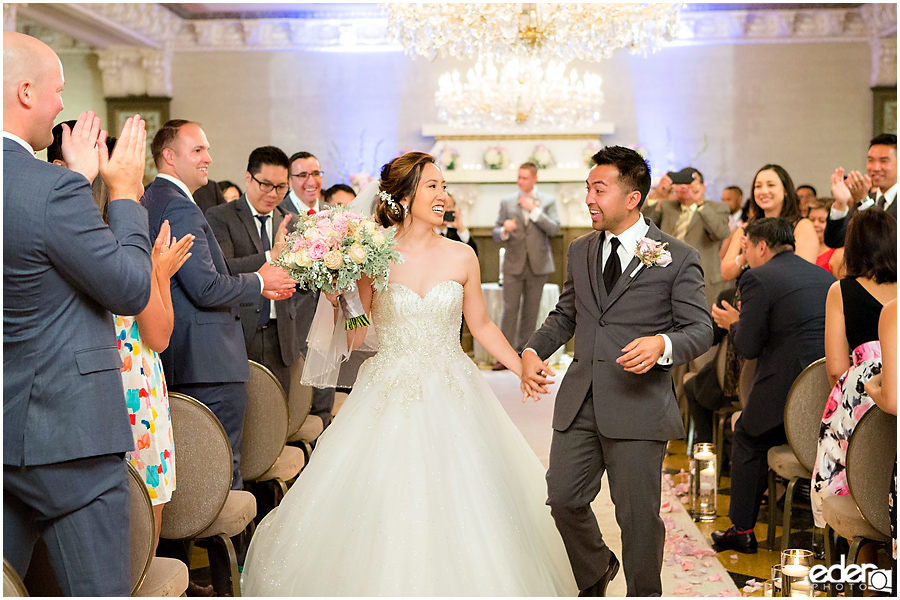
(521, 94)
(547, 31)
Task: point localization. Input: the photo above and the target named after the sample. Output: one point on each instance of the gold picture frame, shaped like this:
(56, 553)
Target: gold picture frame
(884, 109)
(153, 109)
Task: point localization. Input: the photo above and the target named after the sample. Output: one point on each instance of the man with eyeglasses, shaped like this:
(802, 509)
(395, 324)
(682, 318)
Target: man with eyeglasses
(305, 179)
(306, 185)
(250, 231)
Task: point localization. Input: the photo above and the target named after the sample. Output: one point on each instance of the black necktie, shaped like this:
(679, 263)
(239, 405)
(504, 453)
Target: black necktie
(879, 202)
(613, 267)
(264, 307)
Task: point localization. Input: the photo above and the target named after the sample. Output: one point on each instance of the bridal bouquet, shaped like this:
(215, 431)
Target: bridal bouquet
(332, 249)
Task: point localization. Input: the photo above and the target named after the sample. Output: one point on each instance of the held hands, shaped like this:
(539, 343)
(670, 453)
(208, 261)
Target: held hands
(79, 145)
(509, 225)
(277, 284)
(535, 376)
(641, 354)
(123, 172)
(170, 254)
(726, 316)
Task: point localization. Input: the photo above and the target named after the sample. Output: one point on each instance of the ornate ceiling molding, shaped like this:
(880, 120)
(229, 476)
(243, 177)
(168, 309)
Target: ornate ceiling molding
(102, 25)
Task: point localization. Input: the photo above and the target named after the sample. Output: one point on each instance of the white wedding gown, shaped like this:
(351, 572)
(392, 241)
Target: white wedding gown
(422, 486)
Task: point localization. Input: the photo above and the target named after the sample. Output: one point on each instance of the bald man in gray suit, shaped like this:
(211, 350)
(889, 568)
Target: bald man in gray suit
(616, 408)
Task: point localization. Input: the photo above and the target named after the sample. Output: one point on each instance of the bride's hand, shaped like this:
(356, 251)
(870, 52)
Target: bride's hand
(356, 337)
(332, 297)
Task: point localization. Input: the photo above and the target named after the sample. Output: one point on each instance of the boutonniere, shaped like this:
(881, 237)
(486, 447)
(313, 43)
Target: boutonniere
(652, 253)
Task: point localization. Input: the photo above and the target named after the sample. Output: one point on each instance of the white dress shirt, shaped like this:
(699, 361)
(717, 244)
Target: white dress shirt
(270, 233)
(18, 140)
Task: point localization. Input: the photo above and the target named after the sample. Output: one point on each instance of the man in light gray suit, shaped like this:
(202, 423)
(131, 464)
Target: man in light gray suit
(616, 408)
(65, 425)
(526, 222)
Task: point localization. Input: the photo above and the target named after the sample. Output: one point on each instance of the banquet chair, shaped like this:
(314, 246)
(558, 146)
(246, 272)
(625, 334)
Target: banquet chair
(794, 461)
(265, 458)
(12, 583)
(863, 515)
(151, 576)
(303, 427)
(693, 368)
(203, 506)
(721, 415)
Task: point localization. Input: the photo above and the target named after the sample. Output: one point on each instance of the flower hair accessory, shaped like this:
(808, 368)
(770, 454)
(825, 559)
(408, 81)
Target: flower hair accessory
(396, 206)
(652, 253)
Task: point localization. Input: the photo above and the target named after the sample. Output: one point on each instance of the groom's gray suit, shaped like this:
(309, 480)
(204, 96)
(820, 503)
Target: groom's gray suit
(607, 419)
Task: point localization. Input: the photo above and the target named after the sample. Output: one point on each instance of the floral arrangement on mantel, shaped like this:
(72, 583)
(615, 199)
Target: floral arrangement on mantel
(542, 157)
(448, 157)
(496, 157)
(588, 153)
(360, 180)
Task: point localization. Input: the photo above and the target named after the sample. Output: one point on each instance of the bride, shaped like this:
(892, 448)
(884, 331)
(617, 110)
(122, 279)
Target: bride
(422, 486)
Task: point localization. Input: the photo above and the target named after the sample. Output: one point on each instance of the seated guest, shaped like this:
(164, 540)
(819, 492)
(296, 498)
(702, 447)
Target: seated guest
(781, 323)
(829, 258)
(340, 194)
(807, 195)
(851, 328)
(772, 195)
(855, 192)
(453, 227)
(230, 190)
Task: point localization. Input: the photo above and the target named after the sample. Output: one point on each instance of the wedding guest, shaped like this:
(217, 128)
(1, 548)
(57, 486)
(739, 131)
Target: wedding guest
(772, 195)
(829, 258)
(251, 233)
(806, 194)
(230, 191)
(526, 222)
(455, 229)
(854, 192)
(780, 321)
(305, 179)
(733, 197)
(702, 225)
(304, 196)
(65, 425)
(340, 194)
(853, 309)
(208, 195)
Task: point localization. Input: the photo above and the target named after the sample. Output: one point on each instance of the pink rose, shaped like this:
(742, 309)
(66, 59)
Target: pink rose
(340, 225)
(646, 245)
(317, 249)
(323, 226)
(664, 259)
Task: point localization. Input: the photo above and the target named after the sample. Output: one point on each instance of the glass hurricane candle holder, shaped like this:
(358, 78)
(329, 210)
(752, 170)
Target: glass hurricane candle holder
(795, 566)
(703, 483)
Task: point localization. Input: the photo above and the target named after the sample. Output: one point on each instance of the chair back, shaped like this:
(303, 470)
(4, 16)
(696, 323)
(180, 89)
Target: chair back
(12, 583)
(300, 399)
(143, 528)
(746, 381)
(204, 463)
(803, 412)
(722, 361)
(265, 423)
(871, 454)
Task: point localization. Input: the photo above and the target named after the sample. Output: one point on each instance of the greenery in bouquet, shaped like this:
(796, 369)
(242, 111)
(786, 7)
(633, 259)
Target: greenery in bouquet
(542, 157)
(332, 249)
(447, 157)
(496, 157)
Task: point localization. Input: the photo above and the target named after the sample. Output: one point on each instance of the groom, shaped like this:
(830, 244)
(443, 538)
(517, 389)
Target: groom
(616, 407)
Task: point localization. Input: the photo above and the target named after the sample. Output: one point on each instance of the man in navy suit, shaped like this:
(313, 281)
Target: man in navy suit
(206, 358)
(65, 426)
(781, 323)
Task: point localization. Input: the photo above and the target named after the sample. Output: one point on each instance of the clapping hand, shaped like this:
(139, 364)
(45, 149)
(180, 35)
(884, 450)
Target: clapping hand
(279, 246)
(850, 190)
(79, 145)
(536, 375)
(859, 185)
(727, 315)
(123, 172)
(170, 254)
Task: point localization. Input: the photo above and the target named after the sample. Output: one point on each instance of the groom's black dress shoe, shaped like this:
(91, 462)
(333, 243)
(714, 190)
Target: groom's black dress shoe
(732, 540)
(599, 588)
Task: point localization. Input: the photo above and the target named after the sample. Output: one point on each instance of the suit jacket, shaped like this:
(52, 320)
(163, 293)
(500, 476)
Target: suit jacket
(207, 344)
(237, 232)
(452, 234)
(645, 301)
(706, 230)
(64, 272)
(530, 240)
(836, 229)
(209, 195)
(782, 326)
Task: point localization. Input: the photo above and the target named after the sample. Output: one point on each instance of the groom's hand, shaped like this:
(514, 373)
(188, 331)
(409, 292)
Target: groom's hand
(535, 376)
(641, 354)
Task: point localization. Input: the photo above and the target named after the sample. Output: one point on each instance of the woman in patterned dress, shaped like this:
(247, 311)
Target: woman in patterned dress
(852, 311)
(140, 339)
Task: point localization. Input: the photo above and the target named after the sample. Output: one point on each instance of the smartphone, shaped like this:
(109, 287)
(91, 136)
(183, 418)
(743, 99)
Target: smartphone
(449, 216)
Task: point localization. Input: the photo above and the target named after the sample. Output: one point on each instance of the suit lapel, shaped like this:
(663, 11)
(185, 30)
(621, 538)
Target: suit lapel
(634, 267)
(593, 250)
(249, 221)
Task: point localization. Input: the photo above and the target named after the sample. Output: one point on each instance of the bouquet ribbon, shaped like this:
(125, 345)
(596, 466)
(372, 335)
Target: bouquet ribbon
(352, 308)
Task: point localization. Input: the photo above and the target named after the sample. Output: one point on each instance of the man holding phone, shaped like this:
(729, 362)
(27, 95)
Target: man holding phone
(453, 227)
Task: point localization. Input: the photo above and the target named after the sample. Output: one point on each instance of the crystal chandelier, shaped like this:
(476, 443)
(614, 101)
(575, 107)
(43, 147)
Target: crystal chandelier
(538, 30)
(521, 93)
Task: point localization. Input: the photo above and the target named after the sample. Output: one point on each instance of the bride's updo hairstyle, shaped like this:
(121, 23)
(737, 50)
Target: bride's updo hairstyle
(399, 178)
